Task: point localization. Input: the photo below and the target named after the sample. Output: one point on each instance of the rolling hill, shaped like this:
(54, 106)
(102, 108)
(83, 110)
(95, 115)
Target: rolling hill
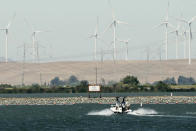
(146, 71)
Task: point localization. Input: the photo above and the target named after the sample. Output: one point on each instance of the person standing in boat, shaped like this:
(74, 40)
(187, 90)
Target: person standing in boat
(123, 103)
(117, 102)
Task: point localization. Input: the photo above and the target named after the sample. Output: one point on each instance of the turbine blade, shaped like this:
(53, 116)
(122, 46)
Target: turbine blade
(167, 14)
(110, 25)
(178, 26)
(170, 25)
(182, 20)
(124, 41)
(113, 14)
(119, 40)
(191, 33)
(97, 26)
(102, 40)
(40, 31)
(121, 22)
(172, 31)
(30, 25)
(192, 19)
(111, 42)
(156, 26)
(91, 36)
(10, 22)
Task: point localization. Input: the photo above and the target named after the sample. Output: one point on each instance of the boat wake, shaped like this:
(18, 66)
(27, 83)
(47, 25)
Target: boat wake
(143, 112)
(138, 112)
(152, 113)
(177, 116)
(105, 112)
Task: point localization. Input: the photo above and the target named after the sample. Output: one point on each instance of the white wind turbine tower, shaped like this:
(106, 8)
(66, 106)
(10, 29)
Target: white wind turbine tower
(127, 47)
(6, 29)
(95, 35)
(114, 24)
(166, 24)
(177, 32)
(190, 33)
(35, 46)
(184, 33)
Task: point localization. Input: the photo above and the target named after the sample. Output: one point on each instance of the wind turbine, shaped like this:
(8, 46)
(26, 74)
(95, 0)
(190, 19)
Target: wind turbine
(177, 31)
(95, 35)
(190, 33)
(114, 24)
(35, 45)
(34, 34)
(6, 29)
(166, 24)
(127, 47)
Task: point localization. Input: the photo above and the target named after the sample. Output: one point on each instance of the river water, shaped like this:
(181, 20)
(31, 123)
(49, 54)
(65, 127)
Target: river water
(97, 117)
(42, 95)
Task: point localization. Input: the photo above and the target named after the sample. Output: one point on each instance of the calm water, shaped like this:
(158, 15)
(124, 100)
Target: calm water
(103, 94)
(98, 117)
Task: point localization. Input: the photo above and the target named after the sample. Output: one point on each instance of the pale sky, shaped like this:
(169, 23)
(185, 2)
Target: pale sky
(71, 22)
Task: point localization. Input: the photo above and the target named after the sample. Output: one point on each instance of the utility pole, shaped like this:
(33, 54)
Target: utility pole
(96, 74)
(23, 65)
(96, 71)
(147, 54)
(160, 60)
(160, 54)
(102, 55)
(38, 61)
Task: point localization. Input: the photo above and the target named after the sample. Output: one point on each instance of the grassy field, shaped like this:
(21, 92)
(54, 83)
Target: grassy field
(146, 72)
(183, 86)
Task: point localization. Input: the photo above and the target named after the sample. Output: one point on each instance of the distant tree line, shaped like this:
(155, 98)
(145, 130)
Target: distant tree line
(127, 84)
(180, 81)
(72, 81)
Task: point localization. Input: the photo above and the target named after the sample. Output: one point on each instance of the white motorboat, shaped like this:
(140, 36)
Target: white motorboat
(120, 107)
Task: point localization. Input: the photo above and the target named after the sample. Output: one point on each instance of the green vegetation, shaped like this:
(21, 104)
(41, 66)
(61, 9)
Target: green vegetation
(127, 84)
(183, 86)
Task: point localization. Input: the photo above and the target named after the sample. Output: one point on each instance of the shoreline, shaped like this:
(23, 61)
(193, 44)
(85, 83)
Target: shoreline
(103, 100)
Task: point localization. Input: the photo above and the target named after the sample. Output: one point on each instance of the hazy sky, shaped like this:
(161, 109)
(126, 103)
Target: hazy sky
(71, 22)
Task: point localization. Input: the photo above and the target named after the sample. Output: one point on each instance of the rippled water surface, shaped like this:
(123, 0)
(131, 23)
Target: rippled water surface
(98, 117)
(42, 95)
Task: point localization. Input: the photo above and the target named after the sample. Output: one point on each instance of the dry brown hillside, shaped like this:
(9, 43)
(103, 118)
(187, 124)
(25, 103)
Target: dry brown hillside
(146, 71)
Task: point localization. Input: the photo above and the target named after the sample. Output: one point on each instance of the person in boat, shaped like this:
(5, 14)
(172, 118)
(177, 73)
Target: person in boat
(117, 102)
(123, 104)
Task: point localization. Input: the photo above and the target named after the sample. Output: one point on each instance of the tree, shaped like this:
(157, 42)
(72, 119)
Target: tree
(170, 81)
(111, 83)
(55, 81)
(73, 80)
(102, 81)
(83, 87)
(5, 86)
(84, 83)
(161, 86)
(186, 80)
(130, 80)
